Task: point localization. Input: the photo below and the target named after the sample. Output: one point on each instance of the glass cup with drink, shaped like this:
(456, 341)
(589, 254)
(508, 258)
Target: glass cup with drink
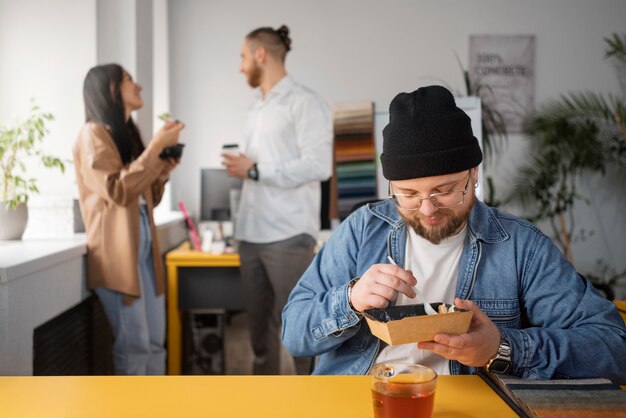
(403, 390)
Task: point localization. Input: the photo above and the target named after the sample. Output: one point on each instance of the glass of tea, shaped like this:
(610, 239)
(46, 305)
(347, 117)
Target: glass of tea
(403, 390)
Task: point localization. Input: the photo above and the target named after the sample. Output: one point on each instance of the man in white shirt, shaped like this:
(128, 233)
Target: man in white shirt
(287, 152)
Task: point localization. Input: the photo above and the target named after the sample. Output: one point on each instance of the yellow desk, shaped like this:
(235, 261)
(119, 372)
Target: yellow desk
(227, 396)
(183, 257)
(621, 305)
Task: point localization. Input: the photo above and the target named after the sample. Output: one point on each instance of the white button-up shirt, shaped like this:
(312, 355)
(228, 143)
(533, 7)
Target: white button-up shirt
(289, 134)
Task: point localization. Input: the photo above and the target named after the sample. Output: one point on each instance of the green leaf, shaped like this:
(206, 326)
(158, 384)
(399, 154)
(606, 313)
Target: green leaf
(615, 47)
(20, 142)
(165, 116)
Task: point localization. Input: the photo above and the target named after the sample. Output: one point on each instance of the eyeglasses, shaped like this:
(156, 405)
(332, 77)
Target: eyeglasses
(439, 200)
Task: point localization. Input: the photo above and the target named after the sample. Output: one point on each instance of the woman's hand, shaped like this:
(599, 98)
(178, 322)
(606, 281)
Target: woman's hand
(168, 166)
(167, 135)
(380, 285)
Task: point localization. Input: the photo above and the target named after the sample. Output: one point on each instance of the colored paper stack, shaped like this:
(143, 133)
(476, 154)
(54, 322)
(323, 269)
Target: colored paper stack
(355, 155)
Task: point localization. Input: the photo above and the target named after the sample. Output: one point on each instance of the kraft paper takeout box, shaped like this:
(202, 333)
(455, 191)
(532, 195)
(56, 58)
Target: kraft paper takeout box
(409, 323)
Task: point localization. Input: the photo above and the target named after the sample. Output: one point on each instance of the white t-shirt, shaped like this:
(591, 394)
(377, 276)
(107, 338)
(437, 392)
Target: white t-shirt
(436, 268)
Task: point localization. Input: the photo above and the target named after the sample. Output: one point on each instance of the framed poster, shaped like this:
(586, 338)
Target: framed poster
(505, 63)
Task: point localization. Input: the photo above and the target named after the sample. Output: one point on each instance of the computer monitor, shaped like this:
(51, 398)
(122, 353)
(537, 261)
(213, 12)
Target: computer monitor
(215, 194)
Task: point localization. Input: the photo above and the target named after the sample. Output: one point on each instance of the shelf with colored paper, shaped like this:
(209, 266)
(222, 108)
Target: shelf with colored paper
(354, 180)
(362, 169)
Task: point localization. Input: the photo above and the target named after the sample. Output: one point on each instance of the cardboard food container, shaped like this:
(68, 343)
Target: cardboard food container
(409, 323)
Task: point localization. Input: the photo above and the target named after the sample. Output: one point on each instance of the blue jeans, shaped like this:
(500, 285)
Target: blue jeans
(139, 328)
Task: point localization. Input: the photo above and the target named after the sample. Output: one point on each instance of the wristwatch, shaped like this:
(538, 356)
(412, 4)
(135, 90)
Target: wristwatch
(501, 361)
(253, 173)
(351, 284)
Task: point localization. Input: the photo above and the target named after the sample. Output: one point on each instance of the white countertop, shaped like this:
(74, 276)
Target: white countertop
(22, 257)
(163, 218)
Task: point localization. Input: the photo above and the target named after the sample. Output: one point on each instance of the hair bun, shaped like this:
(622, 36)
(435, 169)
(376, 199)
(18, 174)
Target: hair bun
(283, 34)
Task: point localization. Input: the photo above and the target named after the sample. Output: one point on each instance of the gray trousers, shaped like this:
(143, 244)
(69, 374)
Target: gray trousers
(269, 272)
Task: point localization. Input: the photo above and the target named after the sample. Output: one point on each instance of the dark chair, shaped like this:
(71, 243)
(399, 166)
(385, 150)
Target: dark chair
(363, 203)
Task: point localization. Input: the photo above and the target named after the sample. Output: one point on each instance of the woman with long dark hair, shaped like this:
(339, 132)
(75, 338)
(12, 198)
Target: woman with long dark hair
(119, 182)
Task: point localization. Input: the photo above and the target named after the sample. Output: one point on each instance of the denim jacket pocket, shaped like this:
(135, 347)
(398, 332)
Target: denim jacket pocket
(504, 313)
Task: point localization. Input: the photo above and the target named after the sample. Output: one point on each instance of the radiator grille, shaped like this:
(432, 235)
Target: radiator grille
(76, 342)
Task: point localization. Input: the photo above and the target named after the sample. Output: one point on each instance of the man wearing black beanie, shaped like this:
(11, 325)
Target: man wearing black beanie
(533, 315)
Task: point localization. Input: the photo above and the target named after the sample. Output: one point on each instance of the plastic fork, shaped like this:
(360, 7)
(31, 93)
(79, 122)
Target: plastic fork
(429, 309)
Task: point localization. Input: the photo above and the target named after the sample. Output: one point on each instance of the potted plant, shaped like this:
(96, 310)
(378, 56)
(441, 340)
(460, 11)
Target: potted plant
(20, 142)
(577, 134)
(615, 53)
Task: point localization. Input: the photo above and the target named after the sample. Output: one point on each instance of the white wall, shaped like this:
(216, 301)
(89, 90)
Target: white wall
(125, 37)
(116, 40)
(346, 50)
(372, 50)
(160, 50)
(46, 48)
(368, 49)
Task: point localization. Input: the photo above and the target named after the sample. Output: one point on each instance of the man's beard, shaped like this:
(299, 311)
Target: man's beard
(254, 76)
(438, 233)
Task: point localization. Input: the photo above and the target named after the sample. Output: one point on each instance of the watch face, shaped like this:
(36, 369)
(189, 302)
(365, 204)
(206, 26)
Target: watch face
(499, 366)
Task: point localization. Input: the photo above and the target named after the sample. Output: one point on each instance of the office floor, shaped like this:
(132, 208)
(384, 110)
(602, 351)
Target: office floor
(238, 352)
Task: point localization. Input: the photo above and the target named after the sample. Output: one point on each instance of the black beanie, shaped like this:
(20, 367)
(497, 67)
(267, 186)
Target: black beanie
(427, 135)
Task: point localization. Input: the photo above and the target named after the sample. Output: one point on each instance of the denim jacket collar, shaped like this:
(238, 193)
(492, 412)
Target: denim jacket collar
(483, 226)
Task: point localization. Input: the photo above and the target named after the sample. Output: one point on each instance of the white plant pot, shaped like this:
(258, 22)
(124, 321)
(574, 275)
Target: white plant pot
(13, 221)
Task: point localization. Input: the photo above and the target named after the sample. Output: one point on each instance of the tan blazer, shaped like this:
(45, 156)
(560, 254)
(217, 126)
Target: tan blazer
(109, 201)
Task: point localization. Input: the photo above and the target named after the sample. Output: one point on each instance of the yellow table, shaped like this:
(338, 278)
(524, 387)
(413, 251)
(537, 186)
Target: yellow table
(227, 396)
(621, 305)
(183, 256)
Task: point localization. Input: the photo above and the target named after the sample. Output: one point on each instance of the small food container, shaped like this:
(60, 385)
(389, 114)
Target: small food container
(175, 152)
(406, 324)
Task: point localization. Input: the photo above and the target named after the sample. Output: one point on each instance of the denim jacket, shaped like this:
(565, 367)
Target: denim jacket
(558, 325)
